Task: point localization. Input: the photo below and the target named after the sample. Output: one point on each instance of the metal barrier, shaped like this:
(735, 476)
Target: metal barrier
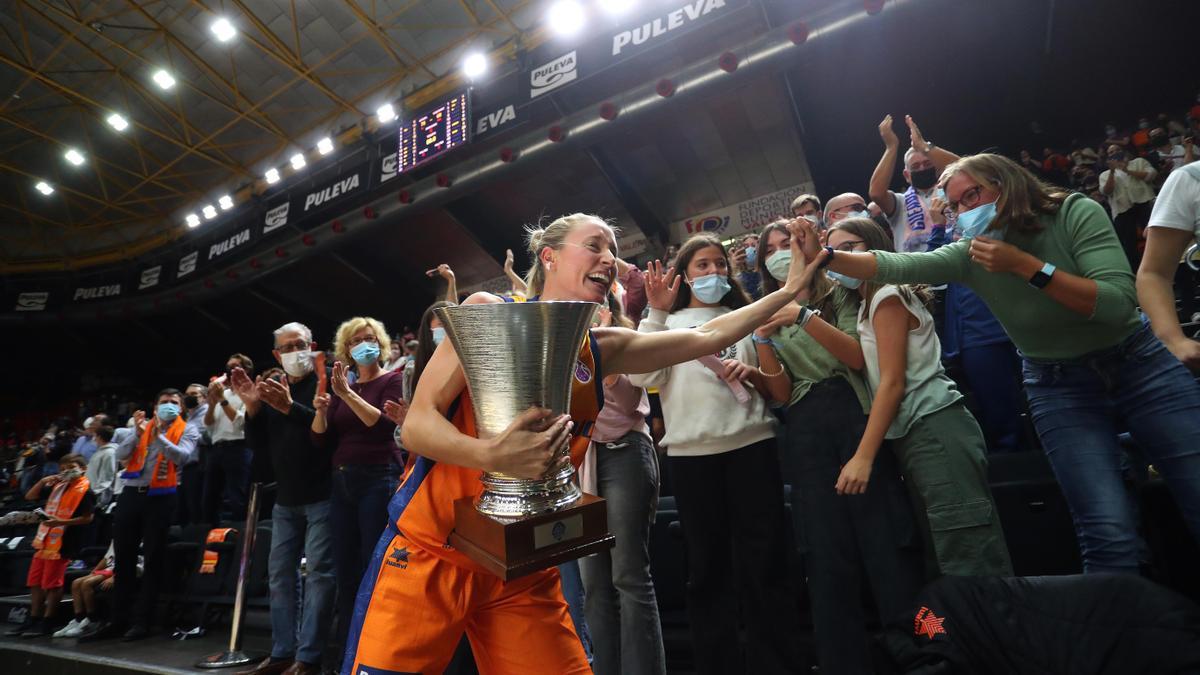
(234, 656)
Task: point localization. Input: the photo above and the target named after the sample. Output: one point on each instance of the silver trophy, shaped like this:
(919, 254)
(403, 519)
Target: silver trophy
(517, 356)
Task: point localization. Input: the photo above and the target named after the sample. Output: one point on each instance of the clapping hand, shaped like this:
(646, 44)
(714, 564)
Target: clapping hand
(276, 394)
(888, 134)
(914, 135)
(662, 287)
(508, 261)
(139, 420)
(396, 411)
(243, 386)
(216, 392)
(321, 403)
(338, 380)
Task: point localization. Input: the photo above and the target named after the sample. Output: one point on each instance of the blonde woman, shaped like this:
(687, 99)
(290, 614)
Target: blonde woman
(366, 468)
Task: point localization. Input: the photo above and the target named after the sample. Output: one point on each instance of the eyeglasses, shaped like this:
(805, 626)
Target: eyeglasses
(851, 207)
(294, 346)
(357, 341)
(848, 246)
(968, 199)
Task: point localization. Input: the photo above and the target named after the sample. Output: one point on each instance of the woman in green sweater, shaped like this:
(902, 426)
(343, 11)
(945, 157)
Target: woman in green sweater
(1051, 269)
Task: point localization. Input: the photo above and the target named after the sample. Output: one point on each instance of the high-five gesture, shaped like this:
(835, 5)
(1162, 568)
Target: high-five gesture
(662, 287)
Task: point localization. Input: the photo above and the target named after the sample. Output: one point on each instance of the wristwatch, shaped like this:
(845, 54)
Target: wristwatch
(1042, 277)
(223, 402)
(806, 315)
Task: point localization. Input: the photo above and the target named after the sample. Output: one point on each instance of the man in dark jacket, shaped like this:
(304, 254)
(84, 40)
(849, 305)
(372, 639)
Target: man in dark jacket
(279, 415)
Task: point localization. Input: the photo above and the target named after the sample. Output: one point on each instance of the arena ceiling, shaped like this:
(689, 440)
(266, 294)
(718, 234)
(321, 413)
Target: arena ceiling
(296, 71)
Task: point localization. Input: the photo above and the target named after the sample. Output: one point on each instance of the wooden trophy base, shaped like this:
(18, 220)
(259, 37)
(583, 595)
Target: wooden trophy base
(512, 548)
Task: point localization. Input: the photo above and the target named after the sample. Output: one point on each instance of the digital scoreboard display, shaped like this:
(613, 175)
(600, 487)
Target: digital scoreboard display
(434, 131)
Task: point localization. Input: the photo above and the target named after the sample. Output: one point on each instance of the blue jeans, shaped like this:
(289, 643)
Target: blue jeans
(572, 590)
(1077, 406)
(359, 515)
(622, 611)
(296, 531)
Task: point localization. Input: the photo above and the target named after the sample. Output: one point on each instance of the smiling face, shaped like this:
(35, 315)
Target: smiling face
(584, 267)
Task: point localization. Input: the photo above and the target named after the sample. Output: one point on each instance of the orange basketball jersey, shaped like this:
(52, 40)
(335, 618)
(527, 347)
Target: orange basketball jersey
(422, 509)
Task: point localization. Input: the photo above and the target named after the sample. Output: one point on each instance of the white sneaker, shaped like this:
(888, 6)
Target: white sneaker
(78, 629)
(65, 630)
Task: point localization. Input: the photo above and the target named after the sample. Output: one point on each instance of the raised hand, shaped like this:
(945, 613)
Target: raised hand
(278, 395)
(139, 420)
(321, 403)
(442, 271)
(530, 444)
(508, 261)
(804, 232)
(888, 134)
(243, 386)
(662, 287)
(914, 135)
(396, 411)
(604, 317)
(338, 380)
(216, 392)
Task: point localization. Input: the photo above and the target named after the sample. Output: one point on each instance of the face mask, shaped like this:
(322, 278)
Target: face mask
(710, 288)
(191, 401)
(439, 334)
(843, 280)
(858, 214)
(70, 474)
(167, 411)
(924, 179)
(1117, 156)
(365, 353)
(1143, 125)
(751, 256)
(297, 364)
(1111, 131)
(778, 264)
(974, 222)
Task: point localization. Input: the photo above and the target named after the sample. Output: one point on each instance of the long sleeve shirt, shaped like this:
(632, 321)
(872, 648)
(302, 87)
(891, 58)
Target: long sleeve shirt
(302, 471)
(225, 429)
(102, 472)
(180, 453)
(1080, 240)
(355, 442)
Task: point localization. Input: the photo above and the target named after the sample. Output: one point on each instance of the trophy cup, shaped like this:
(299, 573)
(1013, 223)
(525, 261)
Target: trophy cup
(517, 356)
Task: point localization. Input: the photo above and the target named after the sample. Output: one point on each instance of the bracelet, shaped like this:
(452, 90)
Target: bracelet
(760, 372)
(826, 261)
(761, 340)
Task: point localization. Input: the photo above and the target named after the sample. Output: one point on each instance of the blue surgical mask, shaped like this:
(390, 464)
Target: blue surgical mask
(974, 222)
(365, 353)
(859, 214)
(751, 256)
(167, 411)
(710, 288)
(439, 334)
(843, 280)
(778, 264)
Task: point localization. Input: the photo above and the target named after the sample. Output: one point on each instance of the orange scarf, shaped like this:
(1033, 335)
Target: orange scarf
(163, 480)
(64, 499)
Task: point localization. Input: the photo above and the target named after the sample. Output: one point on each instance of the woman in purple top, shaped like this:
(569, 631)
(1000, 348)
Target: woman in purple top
(365, 459)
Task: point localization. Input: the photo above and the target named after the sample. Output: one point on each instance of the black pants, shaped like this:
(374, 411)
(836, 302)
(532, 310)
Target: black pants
(844, 536)
(191, 486)
(227, 476)
(731, 509)
(1129, 225)
(141, 521)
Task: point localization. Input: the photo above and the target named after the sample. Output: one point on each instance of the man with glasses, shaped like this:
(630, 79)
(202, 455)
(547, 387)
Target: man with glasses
(845, 205)
(909, 212)
(278, 416)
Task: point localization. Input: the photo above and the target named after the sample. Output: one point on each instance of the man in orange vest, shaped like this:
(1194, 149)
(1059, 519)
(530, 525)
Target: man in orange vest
(155, 453)
(70, 505)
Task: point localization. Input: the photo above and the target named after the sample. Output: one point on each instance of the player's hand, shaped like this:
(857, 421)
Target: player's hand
(529, 445)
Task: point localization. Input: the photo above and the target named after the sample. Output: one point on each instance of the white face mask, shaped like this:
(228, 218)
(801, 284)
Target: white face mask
(297, 364)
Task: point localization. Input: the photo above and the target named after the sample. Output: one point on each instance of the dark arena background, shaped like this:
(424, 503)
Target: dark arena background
(180, 178)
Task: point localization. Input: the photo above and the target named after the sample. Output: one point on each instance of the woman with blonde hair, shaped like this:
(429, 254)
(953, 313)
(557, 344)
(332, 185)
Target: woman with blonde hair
(414, 568)
(1050, 267)
(366, 464)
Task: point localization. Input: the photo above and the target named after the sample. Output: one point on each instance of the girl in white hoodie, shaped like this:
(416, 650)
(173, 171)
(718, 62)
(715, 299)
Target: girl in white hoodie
(724, 464)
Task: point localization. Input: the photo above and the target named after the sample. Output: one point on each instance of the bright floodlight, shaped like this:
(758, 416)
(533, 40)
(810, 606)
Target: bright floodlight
(386, 113)
(298, 161)
(272, 176)
(44, 188)
(163, 79)
(209, 212)
(325, 146)
(616, 7)
(474, 65)
(73, 156)
(223, 29)
(565, 17)
(117, 122)
(192, 220)
(226, 202)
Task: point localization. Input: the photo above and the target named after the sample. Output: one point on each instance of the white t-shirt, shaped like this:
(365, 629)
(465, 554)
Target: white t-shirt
(701, 413)
(1128, 190)
(907, 239)
(225, 429)
(926, 387)
(1178, 203)
(1174, 156)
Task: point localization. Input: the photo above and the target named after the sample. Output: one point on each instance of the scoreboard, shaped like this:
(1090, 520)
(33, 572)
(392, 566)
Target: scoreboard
(434, 131)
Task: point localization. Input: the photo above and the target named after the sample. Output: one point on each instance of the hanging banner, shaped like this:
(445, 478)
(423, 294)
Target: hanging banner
(741, 218)
(498, 107)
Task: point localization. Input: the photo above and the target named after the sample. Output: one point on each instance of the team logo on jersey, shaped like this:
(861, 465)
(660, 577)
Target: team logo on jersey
(928, 624)
(398, 558)
(582, 372)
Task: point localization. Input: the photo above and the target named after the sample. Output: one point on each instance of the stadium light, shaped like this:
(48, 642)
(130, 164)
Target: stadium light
(474, 65)
(325, 146)
(223, 29)
(209, 212)
(163, 79)
(298, 161)
(226, 202)
(565, 17)
(73, 156)
(193, 220)
(44, 188)
(385, 113)
(272, 176)
(117, 122)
